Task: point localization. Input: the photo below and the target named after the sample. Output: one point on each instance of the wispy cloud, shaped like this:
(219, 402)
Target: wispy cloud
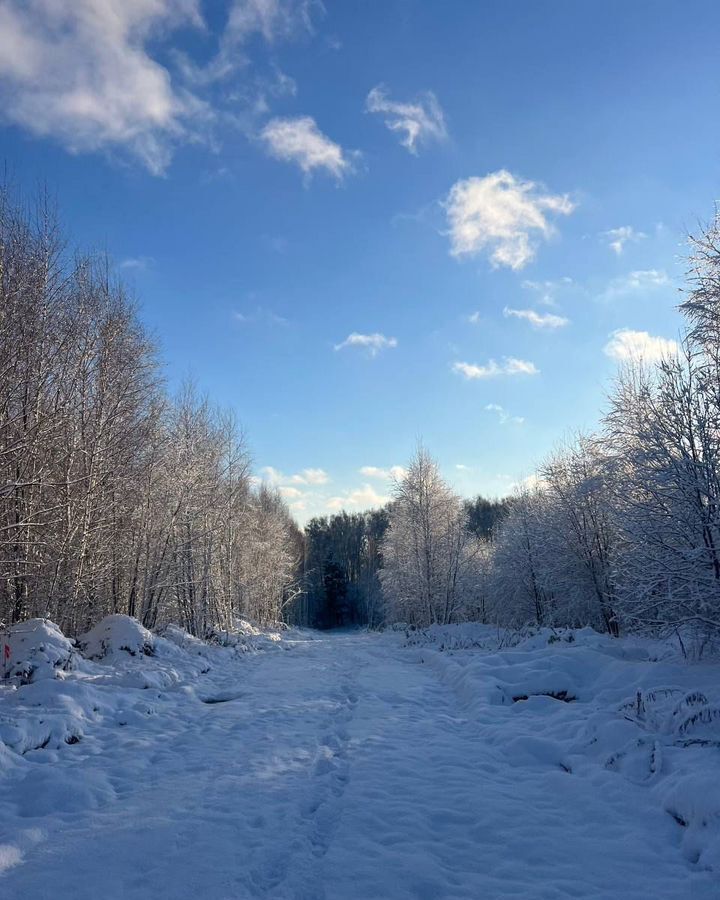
(301, 142)
(394, 472)
(536, 319)
(636, 282)
(474, 318)
(84, 74)
(272, 21)
(547, 290)
(418, 122)
(626, 345)
(503, 216)
(373, 343)
(136, 263)
(305, 476)
(260, 315)
(509, 366)
(616, 238)
(97, 75)
(503, 415)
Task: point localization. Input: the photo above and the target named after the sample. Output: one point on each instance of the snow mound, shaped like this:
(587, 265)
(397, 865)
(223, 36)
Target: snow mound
(117, 635)
(36, 649)
(181, 638)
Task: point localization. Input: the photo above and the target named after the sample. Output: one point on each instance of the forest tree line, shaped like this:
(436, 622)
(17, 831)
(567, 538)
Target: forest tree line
(344, 579)
(118, 496)
(619, 529)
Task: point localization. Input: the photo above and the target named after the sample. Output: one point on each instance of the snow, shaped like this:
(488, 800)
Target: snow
(356, 765)
(115, 635)
(36, 649)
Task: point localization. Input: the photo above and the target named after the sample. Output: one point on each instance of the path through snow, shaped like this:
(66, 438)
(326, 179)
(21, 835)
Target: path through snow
(345, 768)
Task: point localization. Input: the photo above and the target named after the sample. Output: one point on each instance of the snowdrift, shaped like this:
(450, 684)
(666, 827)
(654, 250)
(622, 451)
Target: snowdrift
(583, 702)
(56, 690)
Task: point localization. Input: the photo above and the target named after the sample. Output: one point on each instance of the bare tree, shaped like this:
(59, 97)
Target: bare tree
(429, 556)
(113, 497)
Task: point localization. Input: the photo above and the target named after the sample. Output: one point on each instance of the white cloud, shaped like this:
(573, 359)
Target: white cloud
(306, 476)
(492, 369)
(504, 417)
(616, 238)
(626, 345)
(418, 122)
(394, 472)
(262, 316)
(373, 343)
(502, 215)
(82, 73)
(530, 483)
(98, 75)
(646, 278)
(273, 19)
(536, 319)
(634, 283)
(290, 493)
(519, 367)
(547, 290)
(299, 489)
(300, 141)
(272, 475)
(364, 497)
(474, 318)
(314, 476)
(136, 263)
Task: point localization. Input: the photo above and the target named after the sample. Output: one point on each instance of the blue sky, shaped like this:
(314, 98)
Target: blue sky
(361, 224)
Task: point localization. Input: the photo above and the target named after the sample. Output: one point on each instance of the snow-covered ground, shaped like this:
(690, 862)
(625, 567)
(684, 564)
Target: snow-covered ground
(360, 766)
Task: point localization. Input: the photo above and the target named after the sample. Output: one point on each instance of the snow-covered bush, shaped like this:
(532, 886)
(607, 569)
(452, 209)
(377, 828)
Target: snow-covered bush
(245, 637)
(116, 634)
(36, 649)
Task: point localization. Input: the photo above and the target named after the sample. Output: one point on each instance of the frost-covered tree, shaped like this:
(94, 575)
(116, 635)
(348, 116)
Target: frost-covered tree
(115, 497)
(430, 559)
(578, 551)
(552, 560)
(664, 429)
(516, 582)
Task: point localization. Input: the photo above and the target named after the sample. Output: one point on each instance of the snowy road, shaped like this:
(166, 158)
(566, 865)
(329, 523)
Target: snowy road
(342, 768)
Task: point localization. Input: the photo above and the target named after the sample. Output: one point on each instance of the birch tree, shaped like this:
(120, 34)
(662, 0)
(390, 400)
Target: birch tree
(115, 497)
(429, 556)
